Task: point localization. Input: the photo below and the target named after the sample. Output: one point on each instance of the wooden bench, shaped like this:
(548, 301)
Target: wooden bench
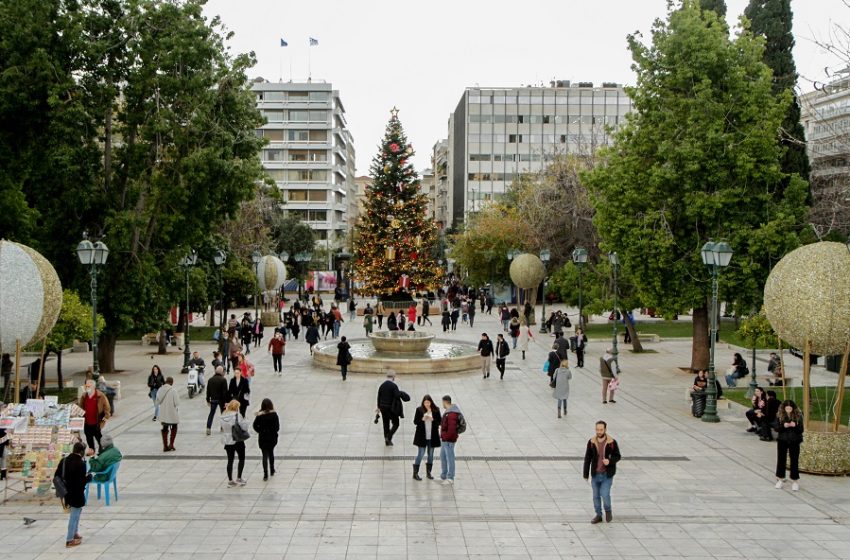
(150, 339)
(790, 381)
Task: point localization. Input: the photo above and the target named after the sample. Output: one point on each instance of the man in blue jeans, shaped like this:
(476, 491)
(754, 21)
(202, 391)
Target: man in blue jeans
(600, 466)
(217, 395)
(449, 431)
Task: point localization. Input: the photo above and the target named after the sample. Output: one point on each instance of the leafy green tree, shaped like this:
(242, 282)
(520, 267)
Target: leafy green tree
(74, 323)
(773, 20)
(717, 6)
(697, 160)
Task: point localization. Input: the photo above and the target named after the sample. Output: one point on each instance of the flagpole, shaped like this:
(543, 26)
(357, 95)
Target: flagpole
(309, 72)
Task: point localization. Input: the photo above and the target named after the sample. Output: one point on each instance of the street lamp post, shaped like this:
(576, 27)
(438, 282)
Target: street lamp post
(188, 262)
(93, 255)
(256, 257)
(579, 260)
(302, 258)
(615, 265)
(544, 257)
(220, 258)
(715, 256)
(512, 254)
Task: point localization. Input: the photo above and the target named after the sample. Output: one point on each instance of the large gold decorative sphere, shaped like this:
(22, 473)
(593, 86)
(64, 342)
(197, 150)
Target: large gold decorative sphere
(807, 296)
(527, 271)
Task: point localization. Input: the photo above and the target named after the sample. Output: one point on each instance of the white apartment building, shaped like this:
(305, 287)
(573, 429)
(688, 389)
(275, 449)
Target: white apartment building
(496, 134)
(310, 154)
(825, 114)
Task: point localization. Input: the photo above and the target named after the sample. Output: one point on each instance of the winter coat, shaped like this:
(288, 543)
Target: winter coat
(392, 322)
(217, 389)
(419, 437)
(612, 453)
(312, 336)
(239, 390)
(343, 356)
(554, 362)
(485, 347)
(391, 397)
(448, 424)
(502, 349)
(606, 368)
(228, 420)
(155, 381)
(75, 478)
(514, 328)
(562, 383)
(523, 339)
(167, 400)
(104, 411)
(105, 459)
(789, 435)
(267, 425)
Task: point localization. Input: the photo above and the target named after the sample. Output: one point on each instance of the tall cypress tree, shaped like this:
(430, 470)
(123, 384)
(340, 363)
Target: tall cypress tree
(719, 7)
(772, 19)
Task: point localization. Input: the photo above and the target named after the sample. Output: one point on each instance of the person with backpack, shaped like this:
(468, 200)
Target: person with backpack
(234, 433)
(267, 426)
(72, 471)
(452, 424)
(502, 351)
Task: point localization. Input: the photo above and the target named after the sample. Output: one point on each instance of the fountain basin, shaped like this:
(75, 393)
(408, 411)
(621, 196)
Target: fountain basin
(401, 342)
(441, 356)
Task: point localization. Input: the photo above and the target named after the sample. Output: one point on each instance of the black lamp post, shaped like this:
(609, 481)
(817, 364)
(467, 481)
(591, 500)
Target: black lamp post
(188, 262)
(716, 256)
(512, 254)
(220, 257)
(544, 257)
(615, 265)
(579, 260)
(303, 258)
(93, 255)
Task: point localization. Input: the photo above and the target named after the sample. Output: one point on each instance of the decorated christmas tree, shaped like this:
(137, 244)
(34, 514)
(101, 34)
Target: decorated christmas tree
(395, 238)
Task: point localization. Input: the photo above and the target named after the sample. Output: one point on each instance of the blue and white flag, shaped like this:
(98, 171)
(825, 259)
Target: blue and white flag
(313, 42)
(283, 43)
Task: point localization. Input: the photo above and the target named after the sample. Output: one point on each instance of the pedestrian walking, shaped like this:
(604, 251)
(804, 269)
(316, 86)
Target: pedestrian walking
(471, 313)
(368, 321)
(554, 362)
(217, 395)
(277, 347)
(446, 320)
(336, 321)
(579, 344)
(607, 369)
(513, 330)
(155, 381)
(452, 424)
(343, 356)
(454, 317)
(528, 311)
(267, 426)
(311, 337)
(427, 436)
(97, 411)
(561, 388)
(72, 471)
(379, 313)
(426, 311)
(390, 406)
(561, 345)
(239, 390)
(411, 314)
(485, 350)
(169, 416)
(352, 309)
(234, 433)
(501, 351)
(505, 317)
(524, 337)
(600, 466)
(789, 425)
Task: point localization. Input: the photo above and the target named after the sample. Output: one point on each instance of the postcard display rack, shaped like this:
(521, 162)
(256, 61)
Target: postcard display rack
(41, 433)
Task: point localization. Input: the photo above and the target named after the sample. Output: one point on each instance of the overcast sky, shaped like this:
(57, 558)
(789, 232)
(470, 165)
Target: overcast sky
(420, 55)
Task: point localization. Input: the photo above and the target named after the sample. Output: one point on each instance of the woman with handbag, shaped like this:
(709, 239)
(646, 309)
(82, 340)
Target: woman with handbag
(267, 426)
(343, 356)
(234, 432)
(561, 386)
(239, 390)
(72, 472)
(427, 437)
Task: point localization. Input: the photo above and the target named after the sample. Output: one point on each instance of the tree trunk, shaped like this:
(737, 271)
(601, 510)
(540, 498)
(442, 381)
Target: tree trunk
(59, 370)
(701, 339)
(211, 320)
(106, 352)
(163, 343)
(630, 326)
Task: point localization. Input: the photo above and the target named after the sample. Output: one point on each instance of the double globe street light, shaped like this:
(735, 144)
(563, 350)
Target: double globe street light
(187, 262)
(716, 256)
(615, 266)
(93, 255)
(579, 257)
(544, 258)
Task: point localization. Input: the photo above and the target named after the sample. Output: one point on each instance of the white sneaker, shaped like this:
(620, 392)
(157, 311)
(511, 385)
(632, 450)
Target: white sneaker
(778, 484)
(232, 483)
(795, 487)
(448, 482)
(241, 482)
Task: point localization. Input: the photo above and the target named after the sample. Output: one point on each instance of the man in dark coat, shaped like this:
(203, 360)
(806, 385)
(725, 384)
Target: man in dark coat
(600, 466)
(217, 395)
(390, 406)
(72, 470)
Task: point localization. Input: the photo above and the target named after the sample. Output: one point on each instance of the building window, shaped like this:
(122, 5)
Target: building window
(273, 116)
(299, 116)
(277, 174)
(479, 157)
(317, 215)
(274, 96)
(319, 116)
(318, 136)
(319, 96)
(514, 138)
(272, 155)
(297, 196)
(298, 135)
(317, 196)
(298, 95)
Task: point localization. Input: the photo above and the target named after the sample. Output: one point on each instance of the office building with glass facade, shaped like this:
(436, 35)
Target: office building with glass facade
(310, 154)
(496, 134)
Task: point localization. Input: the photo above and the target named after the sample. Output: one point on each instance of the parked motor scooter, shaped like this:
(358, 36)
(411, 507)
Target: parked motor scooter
(195, 380)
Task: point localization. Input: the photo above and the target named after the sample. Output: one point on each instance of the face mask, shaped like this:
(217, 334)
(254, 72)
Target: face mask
(90, 392)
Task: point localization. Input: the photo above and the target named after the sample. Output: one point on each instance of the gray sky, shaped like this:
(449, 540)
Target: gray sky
(420, 55)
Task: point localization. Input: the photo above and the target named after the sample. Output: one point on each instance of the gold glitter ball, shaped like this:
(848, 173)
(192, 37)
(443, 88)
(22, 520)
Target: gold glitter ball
(527, 271)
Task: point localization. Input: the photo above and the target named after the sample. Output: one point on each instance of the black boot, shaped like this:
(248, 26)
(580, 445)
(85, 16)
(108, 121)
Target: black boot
(428, 467)
(416, 473)
(3, 474)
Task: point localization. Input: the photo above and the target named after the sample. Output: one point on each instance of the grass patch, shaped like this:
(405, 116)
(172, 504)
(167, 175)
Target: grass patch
(66, 395)
(822, 399)
(669, 329)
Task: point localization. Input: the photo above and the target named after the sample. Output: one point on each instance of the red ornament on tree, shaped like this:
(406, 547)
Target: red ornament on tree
(404, 281)
(395, 148)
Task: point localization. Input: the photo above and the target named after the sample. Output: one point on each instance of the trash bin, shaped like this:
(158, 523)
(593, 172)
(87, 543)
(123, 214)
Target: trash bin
(833, 363)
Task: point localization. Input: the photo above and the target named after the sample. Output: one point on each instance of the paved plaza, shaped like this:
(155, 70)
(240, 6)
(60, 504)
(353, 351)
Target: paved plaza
(684, 489)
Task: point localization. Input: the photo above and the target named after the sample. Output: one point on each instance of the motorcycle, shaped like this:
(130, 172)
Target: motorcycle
(195, 380)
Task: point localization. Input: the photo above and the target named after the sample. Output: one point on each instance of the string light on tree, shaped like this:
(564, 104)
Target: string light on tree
(396, 243)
